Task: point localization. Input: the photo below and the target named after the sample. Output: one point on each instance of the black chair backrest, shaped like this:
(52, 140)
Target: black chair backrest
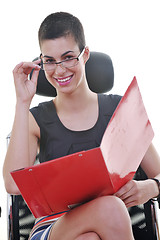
(99, 74)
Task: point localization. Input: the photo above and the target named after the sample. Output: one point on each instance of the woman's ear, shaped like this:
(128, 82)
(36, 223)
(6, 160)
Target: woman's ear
(86, 54)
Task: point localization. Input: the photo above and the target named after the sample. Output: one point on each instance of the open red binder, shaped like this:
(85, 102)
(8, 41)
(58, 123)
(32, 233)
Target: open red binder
(60, 184)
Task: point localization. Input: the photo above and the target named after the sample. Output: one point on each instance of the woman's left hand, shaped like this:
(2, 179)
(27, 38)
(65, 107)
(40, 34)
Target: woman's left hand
(136, 192)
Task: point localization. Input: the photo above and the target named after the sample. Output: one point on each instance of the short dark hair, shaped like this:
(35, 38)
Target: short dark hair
(61, 24)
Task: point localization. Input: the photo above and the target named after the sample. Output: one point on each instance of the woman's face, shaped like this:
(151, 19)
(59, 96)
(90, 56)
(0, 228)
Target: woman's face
(64, 79)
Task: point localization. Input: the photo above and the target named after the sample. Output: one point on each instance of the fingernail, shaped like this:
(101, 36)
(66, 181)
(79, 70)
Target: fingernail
(37, 66)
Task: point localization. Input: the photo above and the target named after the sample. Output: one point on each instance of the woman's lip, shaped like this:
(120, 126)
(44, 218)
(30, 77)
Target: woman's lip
(64, 80)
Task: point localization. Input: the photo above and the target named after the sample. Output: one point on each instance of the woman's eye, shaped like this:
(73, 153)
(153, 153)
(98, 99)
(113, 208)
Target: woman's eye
(49, 61)
(69, 57)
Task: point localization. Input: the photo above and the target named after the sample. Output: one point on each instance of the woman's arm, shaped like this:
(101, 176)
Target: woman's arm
(23, 143)
(138, 192)
(151, 162)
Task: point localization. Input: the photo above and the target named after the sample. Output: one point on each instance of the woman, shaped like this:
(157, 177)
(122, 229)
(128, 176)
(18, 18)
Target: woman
(70, 123)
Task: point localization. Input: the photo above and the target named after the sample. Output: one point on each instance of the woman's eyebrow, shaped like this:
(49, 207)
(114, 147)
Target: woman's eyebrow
(66, 53)
(46, 56)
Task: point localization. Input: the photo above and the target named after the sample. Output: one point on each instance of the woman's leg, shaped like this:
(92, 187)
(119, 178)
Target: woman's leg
(106, 216)
(88, 236)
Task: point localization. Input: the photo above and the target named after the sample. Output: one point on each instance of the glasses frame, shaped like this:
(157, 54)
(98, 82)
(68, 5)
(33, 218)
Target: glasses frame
(61, 62)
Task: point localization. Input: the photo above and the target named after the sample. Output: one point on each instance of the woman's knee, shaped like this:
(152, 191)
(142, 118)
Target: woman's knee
(109, 204)
(88, 236)
(112, 208)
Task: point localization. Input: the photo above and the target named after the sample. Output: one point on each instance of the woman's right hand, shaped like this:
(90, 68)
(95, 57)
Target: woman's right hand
(26, 89)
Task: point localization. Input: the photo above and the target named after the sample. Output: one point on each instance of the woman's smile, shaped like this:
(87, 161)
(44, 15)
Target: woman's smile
(64, 80)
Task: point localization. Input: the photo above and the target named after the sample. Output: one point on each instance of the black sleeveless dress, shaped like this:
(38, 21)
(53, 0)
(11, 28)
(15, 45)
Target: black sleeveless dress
(57, 141)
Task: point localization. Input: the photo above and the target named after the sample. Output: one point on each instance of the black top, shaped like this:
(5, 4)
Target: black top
(57, 141)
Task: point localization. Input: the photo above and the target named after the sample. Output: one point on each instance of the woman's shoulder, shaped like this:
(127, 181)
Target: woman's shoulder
(44, 110)
(43, 106)
(112, 98)
(108, 102)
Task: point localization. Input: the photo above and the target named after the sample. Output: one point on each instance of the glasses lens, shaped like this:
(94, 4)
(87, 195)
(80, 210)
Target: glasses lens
(48, 66)
(70, 63)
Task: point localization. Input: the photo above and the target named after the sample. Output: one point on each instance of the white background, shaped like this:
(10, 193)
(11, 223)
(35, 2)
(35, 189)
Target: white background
(129, 31)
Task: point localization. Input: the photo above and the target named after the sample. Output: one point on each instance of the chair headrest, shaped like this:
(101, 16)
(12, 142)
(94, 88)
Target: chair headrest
(99, 74)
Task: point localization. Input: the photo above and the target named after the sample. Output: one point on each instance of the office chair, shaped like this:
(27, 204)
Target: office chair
(100, 78)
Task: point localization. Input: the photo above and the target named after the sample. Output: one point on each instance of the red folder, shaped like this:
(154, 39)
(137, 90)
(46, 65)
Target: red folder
(63, 183)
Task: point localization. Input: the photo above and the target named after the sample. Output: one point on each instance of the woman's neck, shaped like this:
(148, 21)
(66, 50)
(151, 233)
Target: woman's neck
(77, 111)
(74, 101)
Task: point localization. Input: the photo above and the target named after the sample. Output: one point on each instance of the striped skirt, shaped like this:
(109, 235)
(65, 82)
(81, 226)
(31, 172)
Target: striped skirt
(42, 227)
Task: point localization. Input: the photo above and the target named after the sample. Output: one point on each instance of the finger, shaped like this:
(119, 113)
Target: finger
(34, 77)
(130, 202)
(36, 71)
(124, 191)
(26, 67)
(125, 196)
(31, 65)
(38, 61)
(121, 192)
(17, 67)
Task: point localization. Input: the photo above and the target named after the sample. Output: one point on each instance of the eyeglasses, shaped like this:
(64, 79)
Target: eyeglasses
(49, 64)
